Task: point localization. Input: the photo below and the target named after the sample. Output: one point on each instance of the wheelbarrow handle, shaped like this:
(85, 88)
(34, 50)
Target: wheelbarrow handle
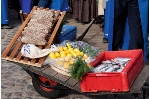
(80, 38)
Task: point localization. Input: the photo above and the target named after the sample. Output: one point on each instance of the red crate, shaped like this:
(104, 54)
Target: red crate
(114, 81)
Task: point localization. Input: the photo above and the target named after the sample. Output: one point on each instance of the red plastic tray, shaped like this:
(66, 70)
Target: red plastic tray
(114, 81)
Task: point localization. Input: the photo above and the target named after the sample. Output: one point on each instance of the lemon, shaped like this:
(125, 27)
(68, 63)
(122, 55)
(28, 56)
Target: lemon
(81, 53)
(76, 50)
(68, 45)
(62, 52)
(71, 62)
(70, 49)
(72, 53)
(65, 48)
(60, 48)
(51, 54)
(57, 54)
(53, 57)
(75, 54)
(67, 52)
(69, 55)
(67, 58)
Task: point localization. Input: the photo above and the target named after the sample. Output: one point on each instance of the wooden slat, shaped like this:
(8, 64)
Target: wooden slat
(56, 15)
(53, 35)
(25, 59)
(72, 81)
(18, 57)
(77, 85)
(55, 30)
(38, 69)
(15, 50)
(61, 77)
(17, 34)
(49, 71)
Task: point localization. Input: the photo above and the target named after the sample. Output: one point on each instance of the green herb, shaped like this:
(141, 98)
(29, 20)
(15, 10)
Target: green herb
(78, 69)
(89, 51)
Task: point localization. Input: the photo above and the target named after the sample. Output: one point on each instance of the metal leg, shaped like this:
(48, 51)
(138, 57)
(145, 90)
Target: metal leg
(135, 95)
(115, 96)
(144, 88)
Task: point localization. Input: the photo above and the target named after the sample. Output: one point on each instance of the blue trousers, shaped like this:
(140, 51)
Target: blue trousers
(130, 9)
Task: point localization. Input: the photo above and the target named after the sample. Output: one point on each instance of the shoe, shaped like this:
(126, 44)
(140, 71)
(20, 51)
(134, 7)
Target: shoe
(105, 40)
(6, 27)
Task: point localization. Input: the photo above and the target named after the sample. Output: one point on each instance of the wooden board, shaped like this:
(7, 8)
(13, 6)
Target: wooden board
(12, 52)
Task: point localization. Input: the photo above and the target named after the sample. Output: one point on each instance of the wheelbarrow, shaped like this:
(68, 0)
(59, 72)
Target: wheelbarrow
(49, 83)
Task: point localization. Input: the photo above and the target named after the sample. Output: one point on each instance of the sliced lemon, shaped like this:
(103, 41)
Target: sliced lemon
(85, 56)
(66, 65)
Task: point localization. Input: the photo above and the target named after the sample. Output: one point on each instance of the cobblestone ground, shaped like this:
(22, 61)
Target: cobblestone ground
(17, 84)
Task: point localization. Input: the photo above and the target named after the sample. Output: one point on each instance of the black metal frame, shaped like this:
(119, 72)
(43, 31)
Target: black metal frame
(35, 77)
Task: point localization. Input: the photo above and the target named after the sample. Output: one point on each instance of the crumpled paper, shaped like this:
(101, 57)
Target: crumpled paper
(31, 51)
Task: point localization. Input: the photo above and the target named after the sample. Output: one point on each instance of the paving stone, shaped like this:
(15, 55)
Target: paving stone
(8, 94)
(6, 98)
(18, 94)
(29, 86)
(29, 93)
(9, 84)
(28, 98)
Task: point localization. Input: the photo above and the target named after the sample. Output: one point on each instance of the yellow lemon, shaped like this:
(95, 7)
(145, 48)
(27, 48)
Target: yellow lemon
(51, 54)
(60, 48)
(81, 53)
(68, 45)
(67, 52)
(75, 54)
(69, 55)
(65, 48)
(53, 57)
(57, 54)
(76, 50)
(62, 52)
(72, 53)
(70, 49)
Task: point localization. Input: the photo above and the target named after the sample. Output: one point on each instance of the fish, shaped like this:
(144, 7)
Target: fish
(111, 69)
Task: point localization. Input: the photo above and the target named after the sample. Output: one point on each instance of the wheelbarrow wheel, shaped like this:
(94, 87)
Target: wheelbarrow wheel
(46, 92)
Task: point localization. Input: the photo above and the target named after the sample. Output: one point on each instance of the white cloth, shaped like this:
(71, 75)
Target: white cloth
(101, 6)
(31, 51)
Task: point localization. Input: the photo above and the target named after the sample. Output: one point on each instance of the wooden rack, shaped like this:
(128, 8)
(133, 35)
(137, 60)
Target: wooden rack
(13, 50)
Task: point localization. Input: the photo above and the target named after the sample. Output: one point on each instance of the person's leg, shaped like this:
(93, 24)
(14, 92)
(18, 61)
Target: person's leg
(135, 28)
(120, 14)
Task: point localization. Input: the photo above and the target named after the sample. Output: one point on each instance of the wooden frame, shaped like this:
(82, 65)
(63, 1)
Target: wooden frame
(12, 52)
